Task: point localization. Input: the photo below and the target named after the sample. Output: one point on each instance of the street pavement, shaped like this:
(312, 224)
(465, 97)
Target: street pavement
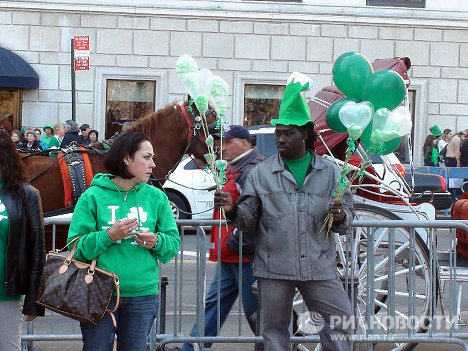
(62, 325)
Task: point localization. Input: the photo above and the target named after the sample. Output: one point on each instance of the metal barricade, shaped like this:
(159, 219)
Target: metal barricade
(390, 269)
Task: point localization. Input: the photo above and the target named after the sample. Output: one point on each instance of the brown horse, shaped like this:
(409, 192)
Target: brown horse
(170, 132)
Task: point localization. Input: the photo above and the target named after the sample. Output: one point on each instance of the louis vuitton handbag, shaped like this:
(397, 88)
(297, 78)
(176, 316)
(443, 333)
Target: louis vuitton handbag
(76, 289)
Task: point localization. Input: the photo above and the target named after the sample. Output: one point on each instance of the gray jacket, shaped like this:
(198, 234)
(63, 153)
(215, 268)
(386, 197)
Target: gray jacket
(290, 244)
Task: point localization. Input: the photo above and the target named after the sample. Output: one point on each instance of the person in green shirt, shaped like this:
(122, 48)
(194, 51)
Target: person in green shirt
(56, 140)
(22, 247)
(286, 198)
(129, 225)
(49, 133)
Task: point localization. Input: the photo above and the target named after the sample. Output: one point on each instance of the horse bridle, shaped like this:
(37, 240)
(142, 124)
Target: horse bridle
(194, 135)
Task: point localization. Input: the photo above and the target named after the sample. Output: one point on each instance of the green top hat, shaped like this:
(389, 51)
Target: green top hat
(48, 125)
(435, 130)
(294, 109)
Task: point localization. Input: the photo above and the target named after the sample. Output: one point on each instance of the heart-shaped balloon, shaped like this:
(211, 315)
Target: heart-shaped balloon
(356, 116)
(388, 125)
(185, 64)
(332, 116)
(199, 85)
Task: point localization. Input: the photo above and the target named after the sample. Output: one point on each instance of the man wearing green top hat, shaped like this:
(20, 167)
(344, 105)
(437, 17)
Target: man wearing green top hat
(49, 133)
(286, 198)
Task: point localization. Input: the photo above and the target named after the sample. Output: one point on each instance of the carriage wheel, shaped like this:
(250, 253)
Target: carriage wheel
(422, 276)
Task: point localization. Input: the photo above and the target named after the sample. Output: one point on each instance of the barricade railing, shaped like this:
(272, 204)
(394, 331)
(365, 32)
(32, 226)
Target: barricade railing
(395, 285)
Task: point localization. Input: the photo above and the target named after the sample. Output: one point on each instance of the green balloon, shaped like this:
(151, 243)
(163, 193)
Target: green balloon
(385, 148)
(384, 89)
(350, 72)
(332, 115)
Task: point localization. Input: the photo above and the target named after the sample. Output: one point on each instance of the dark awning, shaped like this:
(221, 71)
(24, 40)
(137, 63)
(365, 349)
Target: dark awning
(16, 72)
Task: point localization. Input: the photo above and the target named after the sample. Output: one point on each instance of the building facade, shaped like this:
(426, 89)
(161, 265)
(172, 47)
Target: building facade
(253, 45)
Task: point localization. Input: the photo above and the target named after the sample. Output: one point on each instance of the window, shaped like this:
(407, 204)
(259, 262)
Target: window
(398, 3)
(127, 101)
(261, 103)
(10, 106)
(403, 151)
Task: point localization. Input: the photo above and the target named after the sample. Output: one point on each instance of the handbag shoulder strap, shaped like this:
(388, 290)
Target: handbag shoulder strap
(70, 243)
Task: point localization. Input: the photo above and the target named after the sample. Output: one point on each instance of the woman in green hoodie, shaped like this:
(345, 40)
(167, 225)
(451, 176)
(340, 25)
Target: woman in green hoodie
(128, 224)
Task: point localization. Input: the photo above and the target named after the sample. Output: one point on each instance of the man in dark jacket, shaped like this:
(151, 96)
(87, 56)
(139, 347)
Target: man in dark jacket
(84, 138)
(71, 135)
(237, 150)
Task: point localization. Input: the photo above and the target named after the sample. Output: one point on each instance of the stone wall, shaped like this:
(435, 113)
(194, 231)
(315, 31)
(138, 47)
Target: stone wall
(233, 45)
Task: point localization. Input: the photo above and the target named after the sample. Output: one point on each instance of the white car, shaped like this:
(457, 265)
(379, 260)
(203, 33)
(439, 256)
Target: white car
(190, 191)
(187, 186)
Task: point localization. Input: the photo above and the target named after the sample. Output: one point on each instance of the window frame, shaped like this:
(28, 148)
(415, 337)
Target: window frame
(241, 79)
(102, 75)
(420, 126)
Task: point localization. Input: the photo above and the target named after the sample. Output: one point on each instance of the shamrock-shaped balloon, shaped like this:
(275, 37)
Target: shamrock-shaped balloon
(356, 117)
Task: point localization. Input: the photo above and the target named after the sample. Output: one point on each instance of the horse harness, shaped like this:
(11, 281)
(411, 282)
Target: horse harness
(74, 167)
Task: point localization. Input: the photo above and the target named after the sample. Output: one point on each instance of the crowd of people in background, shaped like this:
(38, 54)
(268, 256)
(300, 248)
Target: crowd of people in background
(57, 136)
(446, 148)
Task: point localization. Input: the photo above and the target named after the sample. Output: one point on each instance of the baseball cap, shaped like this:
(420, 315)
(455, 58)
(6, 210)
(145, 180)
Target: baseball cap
(84, 126)
(235, 131)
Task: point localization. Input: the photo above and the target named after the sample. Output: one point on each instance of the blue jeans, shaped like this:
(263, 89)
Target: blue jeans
(229, 290)
(135, 317)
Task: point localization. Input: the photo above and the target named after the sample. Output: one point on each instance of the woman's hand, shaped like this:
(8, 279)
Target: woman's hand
(223, 200)
(147, 240)
(337, 210)
(29, 318)
(122, 228)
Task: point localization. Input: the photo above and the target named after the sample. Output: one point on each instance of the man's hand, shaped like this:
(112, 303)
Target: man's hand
(223, 200)
(337, 210)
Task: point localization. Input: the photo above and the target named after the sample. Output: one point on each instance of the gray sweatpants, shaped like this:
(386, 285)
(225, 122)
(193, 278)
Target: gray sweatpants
(10, 325)
(325, 297)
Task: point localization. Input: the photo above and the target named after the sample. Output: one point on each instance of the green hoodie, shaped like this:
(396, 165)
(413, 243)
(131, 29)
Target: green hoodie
(99, 207)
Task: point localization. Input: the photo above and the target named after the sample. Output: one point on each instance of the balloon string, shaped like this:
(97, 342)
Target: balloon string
(343, 182)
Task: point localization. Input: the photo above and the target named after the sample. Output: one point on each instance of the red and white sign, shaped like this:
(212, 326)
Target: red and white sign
(81, 52)
(82, 63)
(81, 42)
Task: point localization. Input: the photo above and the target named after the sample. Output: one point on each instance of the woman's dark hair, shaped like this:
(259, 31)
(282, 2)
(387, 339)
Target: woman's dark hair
(95, 132)
(11, 169)
(126, 144)
(429, 141)
(312, 138)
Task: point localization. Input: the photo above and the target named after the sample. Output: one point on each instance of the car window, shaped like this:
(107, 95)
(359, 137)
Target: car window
(190, 165)
(267, 145)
